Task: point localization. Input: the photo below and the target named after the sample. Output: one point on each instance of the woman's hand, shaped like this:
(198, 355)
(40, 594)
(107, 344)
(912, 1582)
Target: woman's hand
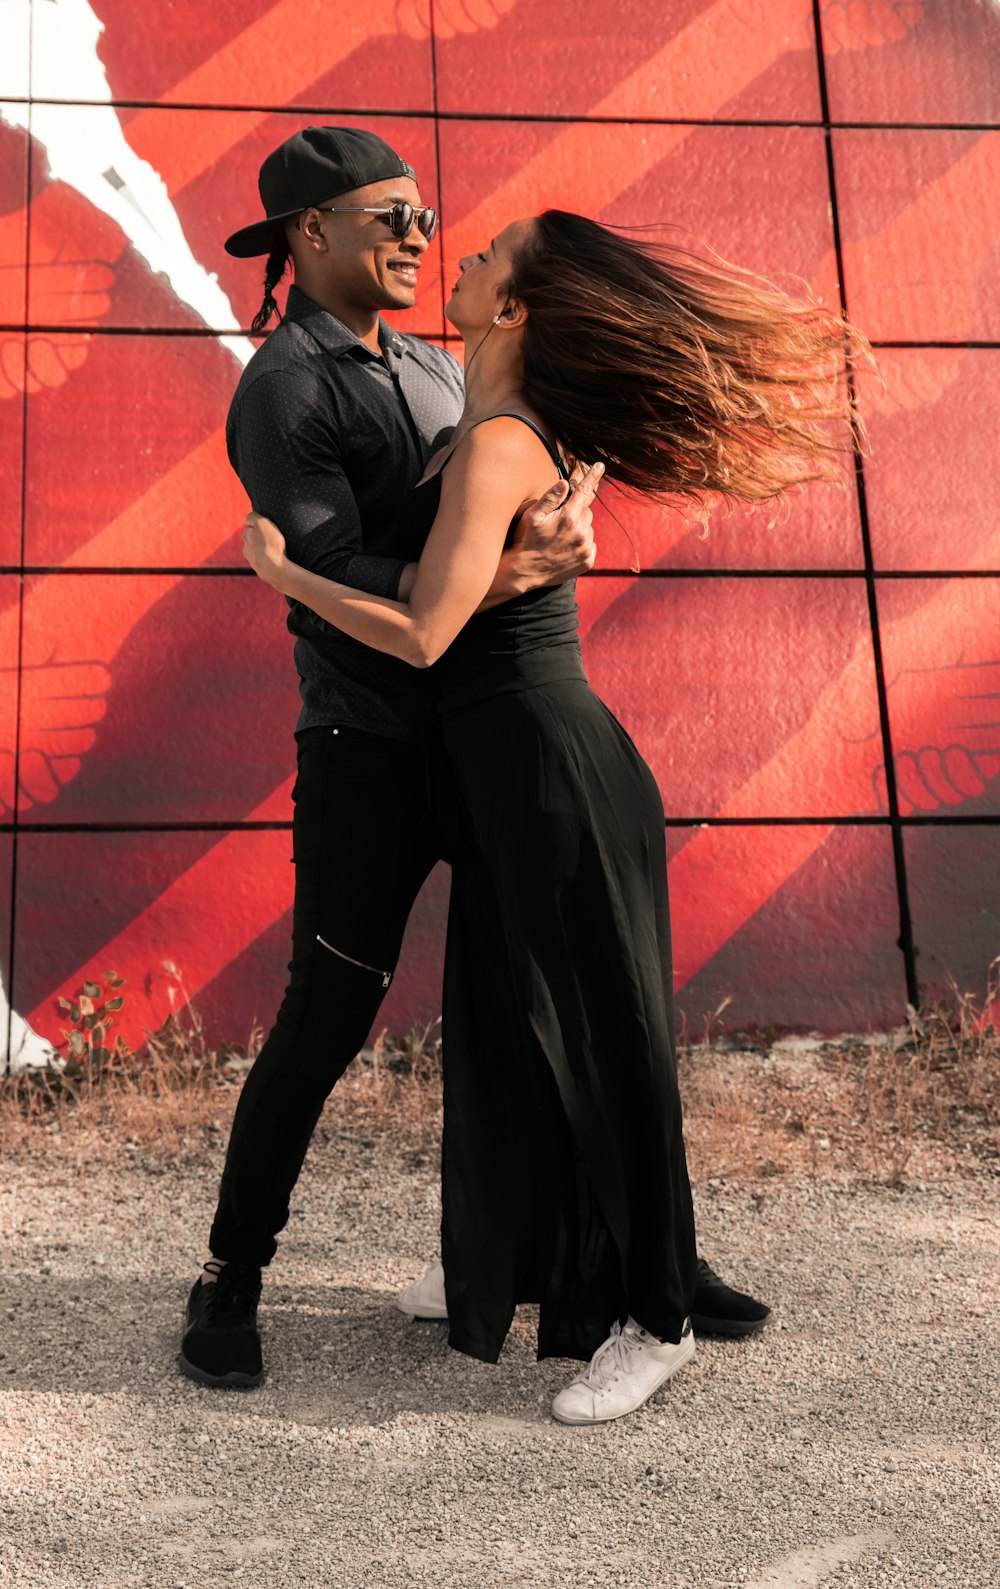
(264, 549)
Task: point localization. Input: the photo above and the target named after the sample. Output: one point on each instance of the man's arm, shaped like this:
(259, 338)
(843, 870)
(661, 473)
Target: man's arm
(488, 479)
(286, 452)
(555, 541)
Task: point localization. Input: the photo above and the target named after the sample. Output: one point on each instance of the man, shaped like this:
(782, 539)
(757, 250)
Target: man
(330, 427)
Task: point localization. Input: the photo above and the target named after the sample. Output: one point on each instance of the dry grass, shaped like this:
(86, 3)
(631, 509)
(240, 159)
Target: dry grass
(918, 1103)
(391, 1094)
(174, 1098)
(165, 1100)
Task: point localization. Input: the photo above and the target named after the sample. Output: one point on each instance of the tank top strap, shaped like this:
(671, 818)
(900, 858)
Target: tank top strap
(553, 454)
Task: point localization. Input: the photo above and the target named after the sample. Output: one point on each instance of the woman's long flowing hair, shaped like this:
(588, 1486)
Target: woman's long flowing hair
(684, 377)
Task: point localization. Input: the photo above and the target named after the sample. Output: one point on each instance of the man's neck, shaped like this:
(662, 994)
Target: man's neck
(363, 322)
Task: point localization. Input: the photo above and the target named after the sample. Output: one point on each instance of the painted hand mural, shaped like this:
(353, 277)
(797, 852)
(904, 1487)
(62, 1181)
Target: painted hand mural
(59, 703)
(146, 730)
(866, 24)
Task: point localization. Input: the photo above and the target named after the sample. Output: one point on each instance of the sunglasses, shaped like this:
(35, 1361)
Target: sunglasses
(399, 217)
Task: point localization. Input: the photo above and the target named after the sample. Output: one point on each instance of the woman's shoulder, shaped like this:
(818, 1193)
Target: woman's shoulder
(517, 436)
(507, 439)
(518, 423)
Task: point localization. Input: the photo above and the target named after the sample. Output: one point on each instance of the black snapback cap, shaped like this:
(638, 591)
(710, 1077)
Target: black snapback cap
(313, 165)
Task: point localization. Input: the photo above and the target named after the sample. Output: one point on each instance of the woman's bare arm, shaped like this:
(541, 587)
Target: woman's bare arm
(499, 466)
(552, 542)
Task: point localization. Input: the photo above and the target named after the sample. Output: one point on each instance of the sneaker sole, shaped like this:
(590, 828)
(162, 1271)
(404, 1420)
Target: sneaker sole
(231, 1381)
(705, 1324)
(610, 1417)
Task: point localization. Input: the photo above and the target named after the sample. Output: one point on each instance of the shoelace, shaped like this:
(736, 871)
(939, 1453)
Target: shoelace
(611, 1360)
(232, 1296)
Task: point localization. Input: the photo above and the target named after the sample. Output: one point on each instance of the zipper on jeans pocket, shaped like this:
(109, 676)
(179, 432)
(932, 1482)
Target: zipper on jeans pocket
(385, 975)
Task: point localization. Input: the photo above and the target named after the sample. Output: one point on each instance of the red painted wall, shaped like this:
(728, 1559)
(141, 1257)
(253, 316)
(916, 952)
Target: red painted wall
(768, 673)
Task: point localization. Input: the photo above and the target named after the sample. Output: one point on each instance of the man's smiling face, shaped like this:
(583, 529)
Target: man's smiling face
(364, 264)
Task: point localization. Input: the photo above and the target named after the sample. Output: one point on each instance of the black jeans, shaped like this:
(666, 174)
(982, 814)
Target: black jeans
(364, 840)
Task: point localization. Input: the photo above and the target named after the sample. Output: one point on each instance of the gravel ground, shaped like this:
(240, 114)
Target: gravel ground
(854, 1443)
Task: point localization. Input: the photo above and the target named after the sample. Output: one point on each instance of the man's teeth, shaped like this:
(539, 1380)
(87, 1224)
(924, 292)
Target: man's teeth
(404, 270)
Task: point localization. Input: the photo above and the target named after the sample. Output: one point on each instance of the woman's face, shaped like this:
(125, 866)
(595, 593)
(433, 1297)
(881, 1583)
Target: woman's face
(480, 291)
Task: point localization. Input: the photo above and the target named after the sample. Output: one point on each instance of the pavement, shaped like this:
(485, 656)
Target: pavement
(853, 1443)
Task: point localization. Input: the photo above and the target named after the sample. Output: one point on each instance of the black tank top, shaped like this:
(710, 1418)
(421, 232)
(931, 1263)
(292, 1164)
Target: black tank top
(515, 645)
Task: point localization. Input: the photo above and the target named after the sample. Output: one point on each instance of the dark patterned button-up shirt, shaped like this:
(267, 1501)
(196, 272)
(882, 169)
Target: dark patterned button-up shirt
(328, 439)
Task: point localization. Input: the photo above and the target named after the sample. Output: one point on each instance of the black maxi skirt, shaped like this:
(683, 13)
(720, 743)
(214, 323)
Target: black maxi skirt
(564, 1175)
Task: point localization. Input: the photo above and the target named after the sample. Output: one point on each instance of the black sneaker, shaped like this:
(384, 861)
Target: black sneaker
(719, 1310)
(221, 1345)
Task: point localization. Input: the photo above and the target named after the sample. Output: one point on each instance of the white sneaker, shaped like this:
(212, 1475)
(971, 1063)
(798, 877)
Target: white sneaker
(425, 1299)
(622, 1374)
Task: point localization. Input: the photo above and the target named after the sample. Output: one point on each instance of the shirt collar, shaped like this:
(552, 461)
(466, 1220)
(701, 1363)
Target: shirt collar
(332, 335)
(392, 344)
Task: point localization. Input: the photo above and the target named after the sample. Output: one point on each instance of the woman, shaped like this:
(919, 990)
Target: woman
(564, 1177)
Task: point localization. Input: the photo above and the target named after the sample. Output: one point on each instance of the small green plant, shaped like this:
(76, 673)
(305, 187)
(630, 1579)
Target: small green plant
(90, 1050)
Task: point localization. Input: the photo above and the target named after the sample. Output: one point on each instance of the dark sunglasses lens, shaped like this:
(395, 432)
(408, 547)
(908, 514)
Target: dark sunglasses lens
(401, 219)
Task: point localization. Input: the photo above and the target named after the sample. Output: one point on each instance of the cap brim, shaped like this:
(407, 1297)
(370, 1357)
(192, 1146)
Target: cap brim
(260, 238)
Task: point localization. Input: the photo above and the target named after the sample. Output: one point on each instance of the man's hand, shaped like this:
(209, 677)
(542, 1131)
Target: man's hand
(264, 550)
(554, 539)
